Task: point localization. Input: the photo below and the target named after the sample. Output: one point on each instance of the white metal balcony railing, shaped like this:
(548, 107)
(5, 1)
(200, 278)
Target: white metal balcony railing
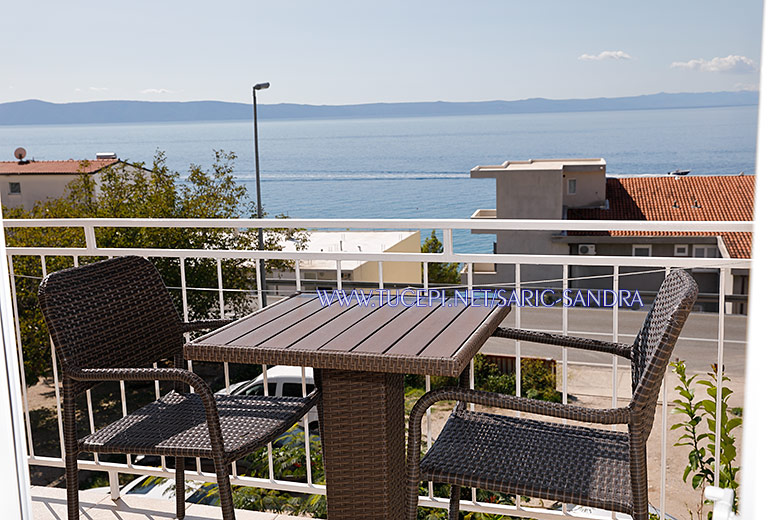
(662, 264)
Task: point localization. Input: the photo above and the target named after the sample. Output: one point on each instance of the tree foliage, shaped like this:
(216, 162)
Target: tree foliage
(699, 427)
(156, 192)
(440, 272)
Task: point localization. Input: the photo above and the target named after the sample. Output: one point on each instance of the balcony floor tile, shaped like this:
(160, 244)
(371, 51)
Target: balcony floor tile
(50, 504)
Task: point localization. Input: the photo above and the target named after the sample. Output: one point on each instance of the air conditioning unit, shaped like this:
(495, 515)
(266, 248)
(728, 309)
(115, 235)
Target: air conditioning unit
(586, 249)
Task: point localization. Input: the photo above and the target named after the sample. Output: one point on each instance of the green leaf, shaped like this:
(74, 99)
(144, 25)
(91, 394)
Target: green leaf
(733, 423)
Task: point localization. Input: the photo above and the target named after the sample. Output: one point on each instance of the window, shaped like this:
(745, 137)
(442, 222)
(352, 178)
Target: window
(14, 188)
(259, 389)
(681, 250)
(705, 252)
(572, 186)
(294, 389)
(642, 250)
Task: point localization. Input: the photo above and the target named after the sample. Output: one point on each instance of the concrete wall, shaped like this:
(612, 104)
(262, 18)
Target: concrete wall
(394, 272)
(591, 188)
(34, 188)
(40, 187)
(529, 195)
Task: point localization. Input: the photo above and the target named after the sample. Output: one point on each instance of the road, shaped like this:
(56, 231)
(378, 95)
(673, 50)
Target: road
(698, 344)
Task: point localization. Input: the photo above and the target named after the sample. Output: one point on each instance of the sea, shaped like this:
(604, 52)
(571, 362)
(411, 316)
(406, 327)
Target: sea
(412, 167)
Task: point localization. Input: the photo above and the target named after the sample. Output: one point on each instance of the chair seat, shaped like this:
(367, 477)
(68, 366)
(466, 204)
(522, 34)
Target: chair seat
(571, 464)
(175, 425)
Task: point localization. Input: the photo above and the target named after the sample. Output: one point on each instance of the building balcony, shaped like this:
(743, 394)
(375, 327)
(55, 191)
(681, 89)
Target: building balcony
(589, 379)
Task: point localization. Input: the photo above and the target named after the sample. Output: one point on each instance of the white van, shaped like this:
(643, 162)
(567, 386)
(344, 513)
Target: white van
(282, 381)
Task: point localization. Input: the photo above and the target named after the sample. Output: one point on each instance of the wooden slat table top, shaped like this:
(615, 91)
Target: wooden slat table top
(438, 340)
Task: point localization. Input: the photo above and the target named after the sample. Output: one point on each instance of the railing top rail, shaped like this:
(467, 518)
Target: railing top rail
(622, 261)
(480, 224)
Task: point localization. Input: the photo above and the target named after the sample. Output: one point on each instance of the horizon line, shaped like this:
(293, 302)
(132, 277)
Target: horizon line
(755, 91)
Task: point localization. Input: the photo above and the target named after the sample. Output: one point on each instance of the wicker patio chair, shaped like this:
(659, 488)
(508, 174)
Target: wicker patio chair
(552, 461)
(111, 321)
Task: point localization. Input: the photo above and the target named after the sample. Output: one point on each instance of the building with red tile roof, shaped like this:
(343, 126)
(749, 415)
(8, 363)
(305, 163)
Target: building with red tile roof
(675, 197)
(23, 183)
(579, 189)
(69, 167)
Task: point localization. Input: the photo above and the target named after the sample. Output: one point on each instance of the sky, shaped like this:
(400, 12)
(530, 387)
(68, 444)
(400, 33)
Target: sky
(341, 52)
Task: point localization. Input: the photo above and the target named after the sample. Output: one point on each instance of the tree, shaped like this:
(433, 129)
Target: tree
(138, 192)
(447, 272)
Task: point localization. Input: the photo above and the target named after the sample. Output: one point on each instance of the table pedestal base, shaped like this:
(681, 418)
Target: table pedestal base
(363, 437)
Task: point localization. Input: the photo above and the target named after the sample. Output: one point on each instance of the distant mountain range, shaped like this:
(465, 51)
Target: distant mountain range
(36, 112)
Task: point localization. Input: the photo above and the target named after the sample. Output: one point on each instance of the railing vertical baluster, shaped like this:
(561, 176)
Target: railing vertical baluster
(381, 275)
(113, 484)
(307, 444)
(220, 289)
(156, 396)
(429, 438)
(56, 376)
(518, 347)
(565, 351)
(186, 316)
(447, 246)
(123, 399)
(258, 277)
(298, 275)
(225, 365)
(89, 238)
(270, 445)
(470, 289)
(338, 274)
(664, 431)
(719, 374)
(615, 336)
(518, 354)
(20, 350)
(565, 330)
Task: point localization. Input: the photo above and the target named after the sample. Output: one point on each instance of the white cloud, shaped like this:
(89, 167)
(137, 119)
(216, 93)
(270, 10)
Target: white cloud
(156, 91)
(606, 55)
(732, 63)
(98, 89)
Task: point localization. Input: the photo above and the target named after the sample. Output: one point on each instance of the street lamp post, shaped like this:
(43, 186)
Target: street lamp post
(259, 86)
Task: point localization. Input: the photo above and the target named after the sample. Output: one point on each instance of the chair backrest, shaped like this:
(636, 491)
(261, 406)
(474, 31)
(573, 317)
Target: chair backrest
(656, 339)
(115, 313)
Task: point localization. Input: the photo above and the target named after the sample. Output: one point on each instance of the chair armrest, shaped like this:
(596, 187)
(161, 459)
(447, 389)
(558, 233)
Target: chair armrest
(203, 325)
(522, 404)
(619, 349)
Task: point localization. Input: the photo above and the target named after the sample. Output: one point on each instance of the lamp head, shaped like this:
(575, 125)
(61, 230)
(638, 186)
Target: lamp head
(261, 86)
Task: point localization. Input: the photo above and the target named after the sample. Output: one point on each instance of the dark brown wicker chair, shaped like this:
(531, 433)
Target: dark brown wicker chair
(111, 321)
(568, 463)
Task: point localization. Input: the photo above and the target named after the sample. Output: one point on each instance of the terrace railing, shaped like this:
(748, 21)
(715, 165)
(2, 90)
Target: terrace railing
(92, 249)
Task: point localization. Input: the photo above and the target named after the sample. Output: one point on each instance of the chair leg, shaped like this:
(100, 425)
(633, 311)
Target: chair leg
(638, 456)
(71, 448)
(454, 502)
(225, 491)
(179, 487)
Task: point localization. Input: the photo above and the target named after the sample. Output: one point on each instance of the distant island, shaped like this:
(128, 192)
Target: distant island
(36, 112)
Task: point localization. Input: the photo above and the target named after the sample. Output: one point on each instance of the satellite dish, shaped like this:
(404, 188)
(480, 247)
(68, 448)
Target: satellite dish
(20, 153)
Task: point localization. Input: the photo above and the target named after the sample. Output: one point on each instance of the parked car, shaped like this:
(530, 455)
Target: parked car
(282, 381)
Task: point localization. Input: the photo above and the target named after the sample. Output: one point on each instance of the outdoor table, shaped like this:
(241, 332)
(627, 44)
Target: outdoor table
(362, 352)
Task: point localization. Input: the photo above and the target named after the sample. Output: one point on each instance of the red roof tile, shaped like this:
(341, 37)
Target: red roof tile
(70, 166)
(697, 197)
